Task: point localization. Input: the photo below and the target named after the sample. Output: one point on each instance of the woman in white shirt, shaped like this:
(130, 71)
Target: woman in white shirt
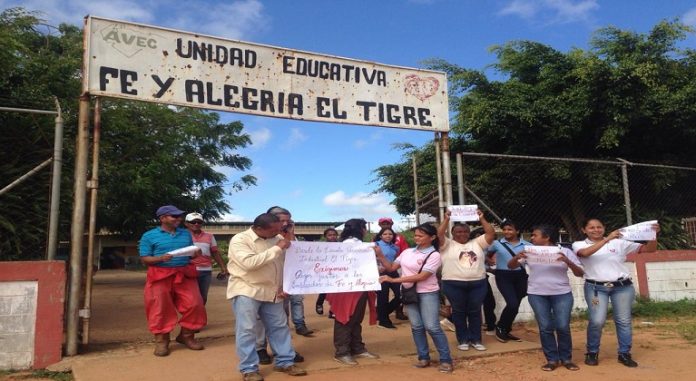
(607, 278)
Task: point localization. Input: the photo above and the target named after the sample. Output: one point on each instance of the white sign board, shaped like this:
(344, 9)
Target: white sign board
(643, 231)
(316, 267)
(141, 62)
(463, 213)
(542, 254)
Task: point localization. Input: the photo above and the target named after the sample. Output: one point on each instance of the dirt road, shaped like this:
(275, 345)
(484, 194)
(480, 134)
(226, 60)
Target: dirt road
(122, 347)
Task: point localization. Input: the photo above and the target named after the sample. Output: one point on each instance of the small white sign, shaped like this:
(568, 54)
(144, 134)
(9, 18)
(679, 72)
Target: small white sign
(184, 251)
(463, 213)
(319, 267)
(643, 231)
(542, 254)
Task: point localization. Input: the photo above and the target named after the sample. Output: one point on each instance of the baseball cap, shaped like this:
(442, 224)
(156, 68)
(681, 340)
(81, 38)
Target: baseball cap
(194, 216)
(169, 210)
(385, 219)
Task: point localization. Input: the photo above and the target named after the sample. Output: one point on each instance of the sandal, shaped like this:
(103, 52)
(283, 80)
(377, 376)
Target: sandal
(549, 366)
(570, 365)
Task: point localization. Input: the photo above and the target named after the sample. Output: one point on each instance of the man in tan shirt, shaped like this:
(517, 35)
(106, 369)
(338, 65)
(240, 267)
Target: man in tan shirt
(256, 258)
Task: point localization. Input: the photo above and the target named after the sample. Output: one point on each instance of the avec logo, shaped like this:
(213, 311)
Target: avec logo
(128, 41)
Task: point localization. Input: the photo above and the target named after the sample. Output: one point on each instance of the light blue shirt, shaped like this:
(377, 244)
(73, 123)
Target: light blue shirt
(157, 242)
(502, 255)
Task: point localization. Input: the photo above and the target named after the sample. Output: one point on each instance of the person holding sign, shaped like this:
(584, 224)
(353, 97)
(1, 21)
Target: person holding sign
(550, 294)
(607, 278)
(464, 278)
(349, 308)
(171, 285)
(419, 265)
(256, 259)
(512, 283)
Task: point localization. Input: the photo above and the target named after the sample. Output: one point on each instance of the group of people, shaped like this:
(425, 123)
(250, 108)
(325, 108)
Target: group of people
(455, 267)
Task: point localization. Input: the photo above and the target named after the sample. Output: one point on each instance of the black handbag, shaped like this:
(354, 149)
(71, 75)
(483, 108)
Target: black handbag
(409, 295)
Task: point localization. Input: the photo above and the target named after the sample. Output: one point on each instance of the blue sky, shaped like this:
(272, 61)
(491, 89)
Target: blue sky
(324, 171)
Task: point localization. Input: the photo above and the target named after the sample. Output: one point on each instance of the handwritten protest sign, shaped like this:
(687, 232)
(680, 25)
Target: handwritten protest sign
(642, 231)
(542, 254)
(316, 267)
(463, 213)
(184, 251)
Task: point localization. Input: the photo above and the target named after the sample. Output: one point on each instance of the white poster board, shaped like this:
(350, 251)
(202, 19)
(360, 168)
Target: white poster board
(642, 231)
(318, 267)
(463, 213)
(542, 254)
(154, 64)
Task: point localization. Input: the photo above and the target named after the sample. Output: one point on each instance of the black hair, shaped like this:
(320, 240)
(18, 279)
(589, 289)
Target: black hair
(506, 222)
(549, 231)
(353, 228)
(430, 230)
(276, 210)
(458, 224)
(378, 236)
(327, 230)
(587, 221)
(265, 220)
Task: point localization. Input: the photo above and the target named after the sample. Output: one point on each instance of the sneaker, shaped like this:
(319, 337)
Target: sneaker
(512, 337)
(447, 325)
(264, 358)
(320, 309)
(346, 360)
(400, 313)
(445, 367)
(491, 332)
(298, 357)
(592, 359)
(479, 346)
(463, 347)
(304, 331)
(386, 324)
(291, 370)
(625, 358)
(252, 376)
(367, 355)
(501, 335)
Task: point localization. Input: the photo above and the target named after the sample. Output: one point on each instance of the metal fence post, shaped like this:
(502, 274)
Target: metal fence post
(415, 187)
(626, 192)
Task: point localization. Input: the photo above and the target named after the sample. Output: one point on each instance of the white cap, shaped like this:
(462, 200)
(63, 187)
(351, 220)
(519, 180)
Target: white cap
(194, 216)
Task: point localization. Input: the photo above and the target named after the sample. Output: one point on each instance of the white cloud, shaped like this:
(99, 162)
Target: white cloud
(689, 17)
(231, 19)
(260, 137)
(551, 11)
(370, 206)
(229, 217)
(296, 137)
(362, 143)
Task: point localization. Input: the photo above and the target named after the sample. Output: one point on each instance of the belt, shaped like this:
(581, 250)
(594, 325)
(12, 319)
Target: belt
(620, 282)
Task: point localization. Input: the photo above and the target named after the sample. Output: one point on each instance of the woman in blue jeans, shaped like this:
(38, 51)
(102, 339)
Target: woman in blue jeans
(550, 295)
(419, 265)
(607, 278)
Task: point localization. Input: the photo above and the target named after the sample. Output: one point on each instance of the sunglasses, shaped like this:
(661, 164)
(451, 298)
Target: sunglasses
(197, 222)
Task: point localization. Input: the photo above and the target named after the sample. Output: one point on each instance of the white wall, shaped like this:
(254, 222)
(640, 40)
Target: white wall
(18, 302)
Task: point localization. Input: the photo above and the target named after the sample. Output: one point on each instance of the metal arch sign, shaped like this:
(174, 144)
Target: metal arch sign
(146, 63)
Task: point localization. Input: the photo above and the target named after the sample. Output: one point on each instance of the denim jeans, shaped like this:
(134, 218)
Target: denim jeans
(552, 313)
(204, 279)
(272, 315)
(622, 298)
(425, 316)
(296, 308)
(466, 298)
(512, 284)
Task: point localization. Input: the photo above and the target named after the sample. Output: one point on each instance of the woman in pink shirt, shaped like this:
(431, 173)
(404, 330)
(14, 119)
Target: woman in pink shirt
(419, 265)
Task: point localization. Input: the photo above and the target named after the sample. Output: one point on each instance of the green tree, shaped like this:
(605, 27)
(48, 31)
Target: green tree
(631, 96)
(150, 154)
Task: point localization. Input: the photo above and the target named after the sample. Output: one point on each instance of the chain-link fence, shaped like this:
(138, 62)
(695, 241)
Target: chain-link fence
(565, 192)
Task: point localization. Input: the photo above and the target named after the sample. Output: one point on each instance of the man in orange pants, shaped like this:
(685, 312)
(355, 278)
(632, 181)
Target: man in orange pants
(171, 284)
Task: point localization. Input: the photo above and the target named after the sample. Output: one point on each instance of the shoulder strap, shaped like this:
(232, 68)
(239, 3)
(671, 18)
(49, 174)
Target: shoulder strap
(507, 247)
(423, 265)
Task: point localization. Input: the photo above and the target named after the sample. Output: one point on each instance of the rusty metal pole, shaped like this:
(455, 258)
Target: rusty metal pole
(77, 230)
(93, 186)
(56, 174)
(438, 166)
(627, 194)
(415, 188)
(447, 167)
(461, 196)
